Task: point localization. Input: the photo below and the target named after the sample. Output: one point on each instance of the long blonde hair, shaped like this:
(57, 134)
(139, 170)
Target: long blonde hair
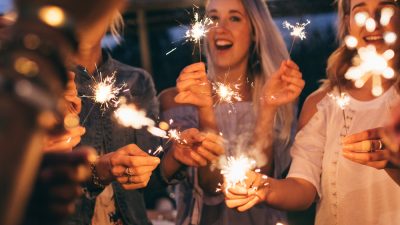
(266, 54)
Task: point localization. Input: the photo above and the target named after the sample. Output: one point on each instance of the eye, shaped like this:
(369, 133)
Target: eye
(214, 18)
(235, 19)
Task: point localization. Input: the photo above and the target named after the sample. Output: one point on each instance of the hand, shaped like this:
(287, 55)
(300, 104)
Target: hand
(245, 196)
(368, 148)
(129, 165)
(64, 142)
(58, 185)
(71, 96)
(199, 148)
(194, 87)
(284, 86)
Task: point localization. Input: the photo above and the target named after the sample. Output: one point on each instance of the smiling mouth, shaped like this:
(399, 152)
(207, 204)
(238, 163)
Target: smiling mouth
(373, 38)
(223, 44)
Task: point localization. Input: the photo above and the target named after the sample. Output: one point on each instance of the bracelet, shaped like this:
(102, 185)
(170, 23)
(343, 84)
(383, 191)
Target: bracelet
(94, 177)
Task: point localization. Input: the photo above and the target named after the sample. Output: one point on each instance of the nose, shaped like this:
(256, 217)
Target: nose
(221, 27)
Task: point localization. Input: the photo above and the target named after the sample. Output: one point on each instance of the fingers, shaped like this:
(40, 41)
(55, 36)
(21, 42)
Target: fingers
(66, 141)
(298, 82)
(198, 159)
(119, 171)
(365, 135)
(185, 85)
(253, 201)
(144, 178)
(195, 76)
(200, 66)
(204, 153)
(363, 146)
(289, 63)
(366, 157)
(235, 203)
(237, 191)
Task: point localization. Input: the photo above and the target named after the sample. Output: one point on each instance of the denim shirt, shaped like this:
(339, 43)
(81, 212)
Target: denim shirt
(105, 135)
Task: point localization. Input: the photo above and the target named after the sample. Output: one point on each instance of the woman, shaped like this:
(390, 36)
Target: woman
(113, 195)
(244, 50)
(346, 192)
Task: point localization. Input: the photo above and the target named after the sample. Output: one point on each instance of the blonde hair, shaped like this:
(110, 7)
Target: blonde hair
(341, 59)
(266, 54)
(117, 26)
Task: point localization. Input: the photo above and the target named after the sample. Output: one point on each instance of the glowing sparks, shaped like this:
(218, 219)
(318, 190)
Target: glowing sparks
(369, 63)
(225, 93)
(361, 18)
(106, 92)
(342, 101)
(156, 152)
(234, 170)
(196, 30)
(297, 30)
(128, 115)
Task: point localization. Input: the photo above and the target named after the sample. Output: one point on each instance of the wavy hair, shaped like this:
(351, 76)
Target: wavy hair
(266, 54)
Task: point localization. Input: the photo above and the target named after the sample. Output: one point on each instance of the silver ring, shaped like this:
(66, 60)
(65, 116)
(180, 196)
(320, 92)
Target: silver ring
(380, 145)
(129, 172)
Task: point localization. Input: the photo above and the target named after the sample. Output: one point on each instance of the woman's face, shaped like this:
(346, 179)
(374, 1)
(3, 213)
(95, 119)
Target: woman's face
(230, 40)
(375, 9)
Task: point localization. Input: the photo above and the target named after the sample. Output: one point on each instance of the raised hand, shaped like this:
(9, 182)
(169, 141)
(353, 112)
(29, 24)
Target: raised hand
(193, 86)
(284, 86)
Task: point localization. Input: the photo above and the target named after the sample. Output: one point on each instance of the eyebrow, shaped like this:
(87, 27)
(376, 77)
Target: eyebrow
(212, 11)
(387, 3)
(235, 11)
(359, 5)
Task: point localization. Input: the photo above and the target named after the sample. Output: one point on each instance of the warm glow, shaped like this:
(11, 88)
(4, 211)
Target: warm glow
(52, 15)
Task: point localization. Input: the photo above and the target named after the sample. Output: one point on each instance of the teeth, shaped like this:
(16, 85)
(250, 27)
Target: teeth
(223, 43)
(373, 38)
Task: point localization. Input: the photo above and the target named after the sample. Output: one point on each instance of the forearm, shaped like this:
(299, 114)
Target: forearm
(169, 165)
(207, 120)
(291, 194)
(264, 136)
(209, 180)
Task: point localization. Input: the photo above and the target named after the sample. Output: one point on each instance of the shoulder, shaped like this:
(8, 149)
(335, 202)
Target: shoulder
(167, 99)
(310, 106)
(136, 78)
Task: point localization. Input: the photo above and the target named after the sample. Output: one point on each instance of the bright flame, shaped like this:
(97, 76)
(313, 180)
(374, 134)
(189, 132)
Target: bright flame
(390, 37)
(105, 91)
(370, 25)
(386, 15)
(351, 42)
(369, 63)
(297, 30)
(361, 18)
(234, 170)
(130, 116)
(52, 15)
(226, 93)
(342, 101)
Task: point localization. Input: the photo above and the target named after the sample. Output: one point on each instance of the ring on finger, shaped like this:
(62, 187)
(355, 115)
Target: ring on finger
(380, 145)
(129, 172)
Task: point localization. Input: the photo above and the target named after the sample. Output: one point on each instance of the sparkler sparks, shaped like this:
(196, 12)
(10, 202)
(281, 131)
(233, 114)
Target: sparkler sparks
(297, 30)
(128, 115)
(225, 93)
(106, 92)
(197, 30)
(234, 170)
(342, 101)
(369, 63)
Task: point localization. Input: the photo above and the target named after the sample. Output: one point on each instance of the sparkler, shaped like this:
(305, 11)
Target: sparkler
(369, 63)
(234, 170)
(128, 115)
(297, 31)
(225, 93)
(342, 100)
(197, 30)
(106, 92)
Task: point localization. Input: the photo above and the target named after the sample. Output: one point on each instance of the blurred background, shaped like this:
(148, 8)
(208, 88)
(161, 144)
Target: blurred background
(155, 27)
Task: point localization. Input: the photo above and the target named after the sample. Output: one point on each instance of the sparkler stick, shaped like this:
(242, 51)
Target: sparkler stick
(297, 31)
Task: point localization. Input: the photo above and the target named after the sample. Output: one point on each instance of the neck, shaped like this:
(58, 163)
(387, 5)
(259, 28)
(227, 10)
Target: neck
(89, 57)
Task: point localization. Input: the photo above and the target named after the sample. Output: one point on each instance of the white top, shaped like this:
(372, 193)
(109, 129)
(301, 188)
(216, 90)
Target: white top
(349, 193)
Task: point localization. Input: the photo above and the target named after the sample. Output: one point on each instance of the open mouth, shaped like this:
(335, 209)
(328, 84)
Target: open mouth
(223, 44)
(373, 38)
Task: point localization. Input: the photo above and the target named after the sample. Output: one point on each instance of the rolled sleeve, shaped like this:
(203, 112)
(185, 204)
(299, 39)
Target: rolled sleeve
(308, 151)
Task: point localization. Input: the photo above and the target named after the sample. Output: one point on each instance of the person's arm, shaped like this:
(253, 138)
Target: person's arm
(299, 190)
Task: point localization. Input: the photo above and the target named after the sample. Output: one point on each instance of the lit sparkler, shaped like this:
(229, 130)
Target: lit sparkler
(369, 63)
(106, 92)
(225, 93)
(128, 115)
(157, 152)
(343, 100)
(297, 31)
(197, 30)
(234, 170)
